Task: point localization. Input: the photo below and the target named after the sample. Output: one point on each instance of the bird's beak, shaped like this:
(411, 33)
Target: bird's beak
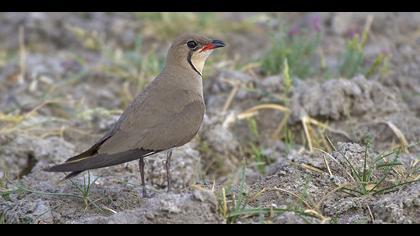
(213, 45)
(218, 43)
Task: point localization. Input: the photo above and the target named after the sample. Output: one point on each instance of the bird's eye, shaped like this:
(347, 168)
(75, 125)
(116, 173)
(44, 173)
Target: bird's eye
(192, 44)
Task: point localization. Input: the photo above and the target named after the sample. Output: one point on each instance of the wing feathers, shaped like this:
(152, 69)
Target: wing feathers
(100, 161)
(92, 151)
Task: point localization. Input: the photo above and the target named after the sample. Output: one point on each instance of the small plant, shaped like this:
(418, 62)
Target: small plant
(381, 65)
(3, 179)
(84, 190)
(235, 204)
(299, 51)
(354, 61)
(3, 187)
(305, 58)
(134, 64)
(288, 139)
(353, 58)
(236, 201)
(253, 128)
(379, 175)
(255, 149)
(89, 39)
(239, 199)
(303, 210)
(167, 25)
(258, 158)
(287, 81)
(2, 219)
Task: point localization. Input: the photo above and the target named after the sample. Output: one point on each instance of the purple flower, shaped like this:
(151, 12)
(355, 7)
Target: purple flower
(294, 31)
(314, 22)
(353, 31)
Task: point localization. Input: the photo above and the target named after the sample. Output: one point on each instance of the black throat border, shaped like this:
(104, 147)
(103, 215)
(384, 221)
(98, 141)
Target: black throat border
(191, 64)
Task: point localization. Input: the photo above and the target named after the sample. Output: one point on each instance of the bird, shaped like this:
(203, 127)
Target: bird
(167, 114)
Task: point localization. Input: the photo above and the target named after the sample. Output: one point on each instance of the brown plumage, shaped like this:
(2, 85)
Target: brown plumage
(166, 115)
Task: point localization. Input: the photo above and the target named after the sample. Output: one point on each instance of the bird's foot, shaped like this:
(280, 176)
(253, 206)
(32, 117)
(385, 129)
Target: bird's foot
(147, 195)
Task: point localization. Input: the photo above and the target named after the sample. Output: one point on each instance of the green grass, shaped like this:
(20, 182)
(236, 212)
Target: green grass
(258, 158)
(299, 52)
(361, 221)
(353, 58)
(253, 128)
(86, 115)
(380, 174)
(4, 58)
(268, 212)
(377, 174)
(128, 64)
(305, 195)
(289, 138)
(167, 25)
(234, 205)
(254, 149)
(134, 64)
(287, 79)
(3, 186)
(3, 179)
(2, 219)
(239, 201)
(380, 65)
(83, 192)
(134, 67)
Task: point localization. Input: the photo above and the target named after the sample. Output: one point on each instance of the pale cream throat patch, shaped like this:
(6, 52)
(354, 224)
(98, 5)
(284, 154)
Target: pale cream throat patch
(198, 59)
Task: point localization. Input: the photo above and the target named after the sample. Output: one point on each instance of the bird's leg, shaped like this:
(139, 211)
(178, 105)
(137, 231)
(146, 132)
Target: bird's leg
(143, 183)
(168, 169)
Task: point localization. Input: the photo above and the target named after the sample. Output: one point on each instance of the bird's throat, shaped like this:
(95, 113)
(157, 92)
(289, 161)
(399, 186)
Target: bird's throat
(198, 64)
(197, 61)
(189, 59)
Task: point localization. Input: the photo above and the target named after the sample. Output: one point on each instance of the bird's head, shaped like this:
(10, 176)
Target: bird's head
(192, 50)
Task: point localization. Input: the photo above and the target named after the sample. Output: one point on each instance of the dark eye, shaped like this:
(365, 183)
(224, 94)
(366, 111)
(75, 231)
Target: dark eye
(192, 44)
